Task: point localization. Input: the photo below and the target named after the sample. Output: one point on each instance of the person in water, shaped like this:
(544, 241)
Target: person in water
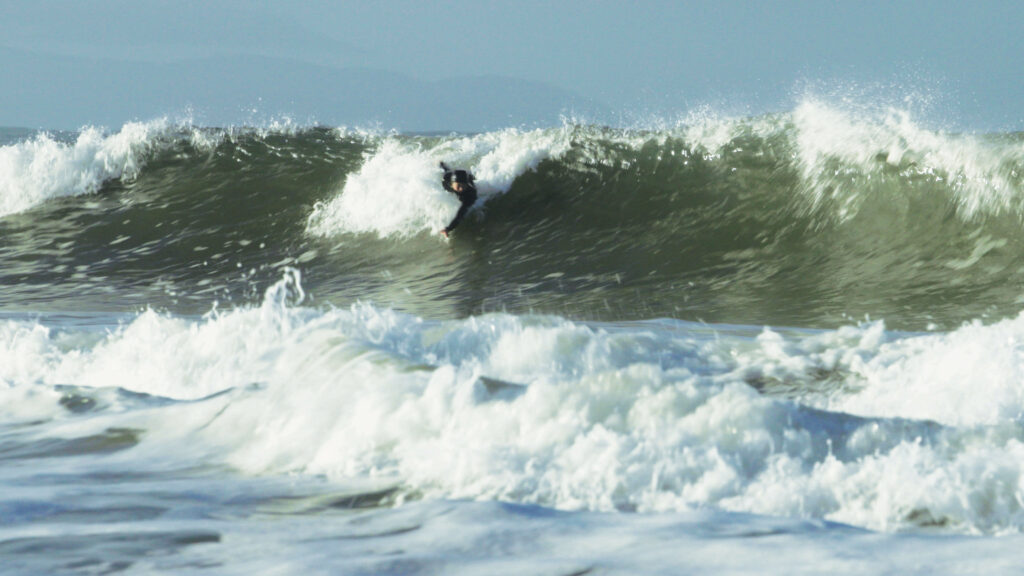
(460, 183)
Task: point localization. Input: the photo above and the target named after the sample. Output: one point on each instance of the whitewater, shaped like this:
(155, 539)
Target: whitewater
(779, 344)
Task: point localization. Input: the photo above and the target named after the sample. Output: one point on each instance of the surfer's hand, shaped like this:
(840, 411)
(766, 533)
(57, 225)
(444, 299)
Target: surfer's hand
(444, 232)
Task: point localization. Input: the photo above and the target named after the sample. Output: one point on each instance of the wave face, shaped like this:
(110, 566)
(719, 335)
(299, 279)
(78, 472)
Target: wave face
(808, 218)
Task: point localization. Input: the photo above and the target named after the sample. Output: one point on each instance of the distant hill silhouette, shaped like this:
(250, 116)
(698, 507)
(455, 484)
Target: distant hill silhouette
(247, 89)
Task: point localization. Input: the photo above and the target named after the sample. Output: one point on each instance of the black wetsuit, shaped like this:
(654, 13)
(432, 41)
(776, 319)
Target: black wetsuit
(467, 197)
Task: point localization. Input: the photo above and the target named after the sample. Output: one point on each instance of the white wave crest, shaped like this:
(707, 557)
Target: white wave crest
(840, 152)
(37, 170)
(398, 193)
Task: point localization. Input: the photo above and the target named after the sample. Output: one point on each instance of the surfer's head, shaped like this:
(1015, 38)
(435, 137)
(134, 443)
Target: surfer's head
(457, 180)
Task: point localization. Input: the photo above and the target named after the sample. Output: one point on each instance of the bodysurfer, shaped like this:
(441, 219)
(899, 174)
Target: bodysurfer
(460, 183)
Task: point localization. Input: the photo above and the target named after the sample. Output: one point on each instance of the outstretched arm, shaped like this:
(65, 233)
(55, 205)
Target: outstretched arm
(458, 216)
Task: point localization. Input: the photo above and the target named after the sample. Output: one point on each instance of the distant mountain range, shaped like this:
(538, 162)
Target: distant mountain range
(62, 92)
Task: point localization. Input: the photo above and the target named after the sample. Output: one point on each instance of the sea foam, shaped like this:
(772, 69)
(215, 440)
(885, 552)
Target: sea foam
(543, 410)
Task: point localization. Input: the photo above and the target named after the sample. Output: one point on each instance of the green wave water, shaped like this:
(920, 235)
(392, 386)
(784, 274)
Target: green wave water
(811, 218)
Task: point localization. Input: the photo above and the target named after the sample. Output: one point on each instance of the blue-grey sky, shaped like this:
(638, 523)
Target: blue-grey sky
(472, 65)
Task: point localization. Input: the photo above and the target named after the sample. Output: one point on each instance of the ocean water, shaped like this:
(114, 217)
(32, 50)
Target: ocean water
(783, 344)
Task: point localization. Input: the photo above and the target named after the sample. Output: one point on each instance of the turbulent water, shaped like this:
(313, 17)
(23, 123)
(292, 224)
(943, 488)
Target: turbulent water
(235, 350)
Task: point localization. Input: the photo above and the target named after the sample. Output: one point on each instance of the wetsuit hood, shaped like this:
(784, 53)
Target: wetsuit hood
(460, 176)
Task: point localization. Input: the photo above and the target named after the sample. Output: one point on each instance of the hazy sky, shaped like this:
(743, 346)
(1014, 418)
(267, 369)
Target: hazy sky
(623, 58)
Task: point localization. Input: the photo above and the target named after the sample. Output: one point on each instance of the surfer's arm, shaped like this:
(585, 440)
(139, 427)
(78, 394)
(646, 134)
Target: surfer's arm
(468, 198)
(459, 216)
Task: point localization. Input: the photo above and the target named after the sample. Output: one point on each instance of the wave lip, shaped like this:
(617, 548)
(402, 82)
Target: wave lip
(838, 153)
(43, 168)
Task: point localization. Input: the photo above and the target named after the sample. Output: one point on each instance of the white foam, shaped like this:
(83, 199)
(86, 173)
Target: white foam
(966, 378)
(646, 417)
(969, 377)
(843, 145)
(398, 193)
(42, 168)
(600, 430)
(981, 173)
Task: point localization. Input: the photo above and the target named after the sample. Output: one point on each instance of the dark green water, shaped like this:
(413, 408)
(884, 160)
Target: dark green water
(763, 226)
